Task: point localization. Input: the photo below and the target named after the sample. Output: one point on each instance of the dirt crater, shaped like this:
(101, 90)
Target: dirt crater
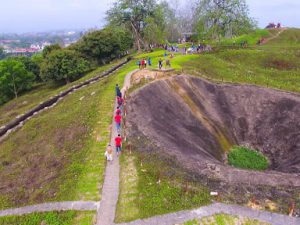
(197, 122)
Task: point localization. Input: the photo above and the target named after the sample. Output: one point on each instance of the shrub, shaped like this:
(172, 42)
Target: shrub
(245, 158)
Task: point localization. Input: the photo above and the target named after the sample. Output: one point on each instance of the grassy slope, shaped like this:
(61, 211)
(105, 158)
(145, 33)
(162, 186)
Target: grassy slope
(51, 218)
(140, 195)
(56, 155)
(266, 65)
(41, 93)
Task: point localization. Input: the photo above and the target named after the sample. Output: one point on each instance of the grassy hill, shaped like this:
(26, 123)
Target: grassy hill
(58, 155)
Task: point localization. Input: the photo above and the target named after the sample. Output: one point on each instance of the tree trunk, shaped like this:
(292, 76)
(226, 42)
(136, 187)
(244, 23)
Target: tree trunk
(137, 37)
(15, 88)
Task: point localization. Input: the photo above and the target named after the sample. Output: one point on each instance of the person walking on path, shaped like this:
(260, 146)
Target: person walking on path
(168, 63)
(120, 102)
(139, 64)
(108, 153)
(118, 119)
(118, 111)
(160, 63)
(118, 92)
(118, 142)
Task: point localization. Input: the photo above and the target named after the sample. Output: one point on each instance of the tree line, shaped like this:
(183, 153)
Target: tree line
(152, 21)
(138, 24)
(62, 65)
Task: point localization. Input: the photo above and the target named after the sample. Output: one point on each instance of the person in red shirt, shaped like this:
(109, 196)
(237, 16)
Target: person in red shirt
(120, 101)
(118, 142)
(118, 111)
(118, 119)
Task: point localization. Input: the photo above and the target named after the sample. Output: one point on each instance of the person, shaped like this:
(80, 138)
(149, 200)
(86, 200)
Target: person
(139, 64)
(143, 63)
(108, 153)
(120, 101)
(118, 119)
(118, 142)
(118, 92)
(160, 63)
(118, 111)
(149, 61)
(168, 63)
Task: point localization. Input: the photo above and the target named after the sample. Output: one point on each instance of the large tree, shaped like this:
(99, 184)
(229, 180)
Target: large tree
(139, 17)
(104, 45)
(223, 18)
(64, 66)
(32, 64)
(14, 78)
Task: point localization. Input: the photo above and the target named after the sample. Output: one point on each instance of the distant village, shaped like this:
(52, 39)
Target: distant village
(17, 47)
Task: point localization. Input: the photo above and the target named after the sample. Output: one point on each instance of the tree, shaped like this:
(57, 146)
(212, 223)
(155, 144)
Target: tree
(2, 53)
(31, 64)
(64, 65)
(48, 49)
(14, 78)
(135, 16)
(105, 44)
(223, 18)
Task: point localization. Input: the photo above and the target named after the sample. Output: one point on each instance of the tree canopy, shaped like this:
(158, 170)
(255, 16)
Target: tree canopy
(48, 49)
(64, 66)
(142, 18)
(222, 18)
(14, 78)
(103, 45)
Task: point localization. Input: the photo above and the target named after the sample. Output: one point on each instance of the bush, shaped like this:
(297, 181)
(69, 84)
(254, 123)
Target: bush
(245, 158)
(64, 66)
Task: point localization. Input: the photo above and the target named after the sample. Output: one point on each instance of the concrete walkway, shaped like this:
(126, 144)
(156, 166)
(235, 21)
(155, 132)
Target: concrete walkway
(52, 206)
(110, 191)
(183, 216)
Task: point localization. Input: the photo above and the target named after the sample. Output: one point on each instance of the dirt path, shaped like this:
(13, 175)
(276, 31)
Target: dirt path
(275, 36)
(183, 216)
(52, 206)
(110, 191)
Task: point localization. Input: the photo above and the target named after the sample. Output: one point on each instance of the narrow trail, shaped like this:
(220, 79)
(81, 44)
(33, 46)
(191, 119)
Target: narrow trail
(110, 192)
(275, 36)
(52, 206)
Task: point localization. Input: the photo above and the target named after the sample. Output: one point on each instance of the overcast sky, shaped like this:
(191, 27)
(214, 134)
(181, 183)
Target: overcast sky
(43, 15)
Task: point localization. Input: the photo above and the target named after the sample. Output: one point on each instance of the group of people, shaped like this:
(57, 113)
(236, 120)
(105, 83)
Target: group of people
(118, 122)
(143, 63)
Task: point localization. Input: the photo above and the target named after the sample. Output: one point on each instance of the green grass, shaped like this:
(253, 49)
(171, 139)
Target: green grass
(251, 38)
(42, 92)
(58, 155)
(242, 157)
(143, 196)
(50, 218)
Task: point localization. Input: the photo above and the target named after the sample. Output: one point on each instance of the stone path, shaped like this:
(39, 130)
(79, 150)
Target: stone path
(183, 216)
(110, 191)
(52, 206)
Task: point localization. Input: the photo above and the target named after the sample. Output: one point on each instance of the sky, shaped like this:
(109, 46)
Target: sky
(20, 16)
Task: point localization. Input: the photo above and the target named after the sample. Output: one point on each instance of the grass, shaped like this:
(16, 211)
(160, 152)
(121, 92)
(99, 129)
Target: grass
(41, 93)
(50, 218)
(150, 190)
(224, 219)
(251, 38)
(245, 158)
(68, 162)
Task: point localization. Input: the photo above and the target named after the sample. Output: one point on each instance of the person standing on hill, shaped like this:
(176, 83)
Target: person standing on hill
(118, 142)
(160, 63)
(118, 119)
(118, 92)
(143, 63)
(149, 61)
